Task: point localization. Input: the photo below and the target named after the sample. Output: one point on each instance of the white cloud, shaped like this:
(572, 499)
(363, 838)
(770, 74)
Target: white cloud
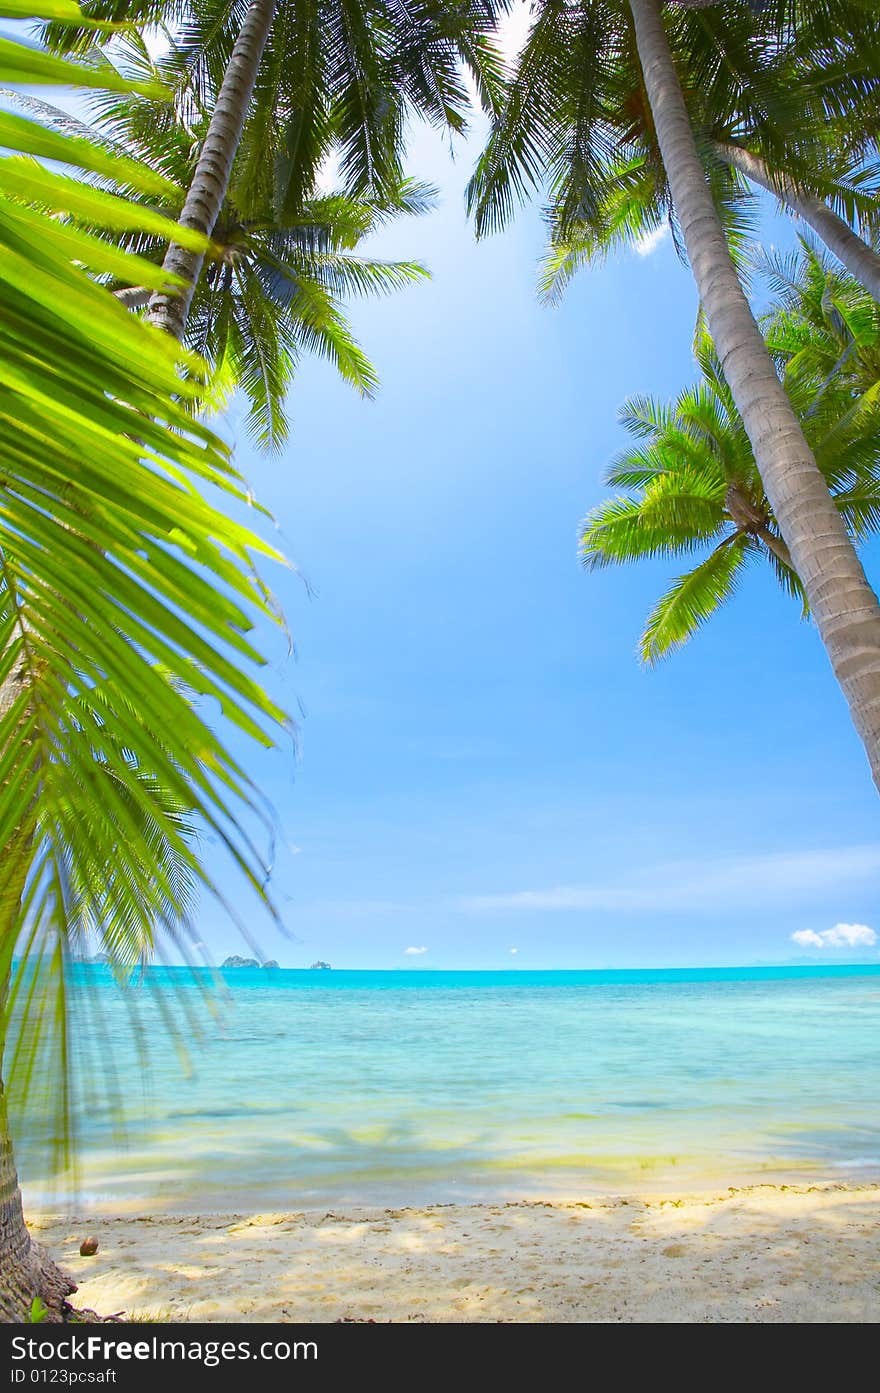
(415, 952)
(730, 883)
(807, 938)
(841, 936)
(851, 935)
(648, 244)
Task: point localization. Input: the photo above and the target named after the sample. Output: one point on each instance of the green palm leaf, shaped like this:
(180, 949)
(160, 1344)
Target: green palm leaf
(128, 604)
(693, 598)
(690, 470)
(627, 529)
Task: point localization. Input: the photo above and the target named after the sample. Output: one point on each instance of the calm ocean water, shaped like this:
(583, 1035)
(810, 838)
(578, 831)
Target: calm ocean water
(329, 1088)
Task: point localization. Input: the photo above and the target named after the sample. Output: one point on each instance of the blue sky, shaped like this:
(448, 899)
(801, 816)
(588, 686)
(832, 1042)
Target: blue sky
(484, 766)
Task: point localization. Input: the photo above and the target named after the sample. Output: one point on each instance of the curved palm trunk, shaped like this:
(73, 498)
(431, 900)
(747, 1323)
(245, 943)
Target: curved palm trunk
(17, 1278)
(211, 179)
(25, 1271)
(844, 606)
(18, 1284)
(851, 250)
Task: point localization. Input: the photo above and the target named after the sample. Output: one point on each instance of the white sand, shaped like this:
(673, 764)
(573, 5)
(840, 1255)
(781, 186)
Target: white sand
(761, 1253)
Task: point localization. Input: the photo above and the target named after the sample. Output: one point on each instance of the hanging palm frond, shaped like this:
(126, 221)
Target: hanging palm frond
(128, 595)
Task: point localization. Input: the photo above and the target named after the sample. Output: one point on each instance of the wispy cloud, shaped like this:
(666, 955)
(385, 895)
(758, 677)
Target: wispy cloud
(841, 936)
(648, 244)
(731, 882)
(415, 952)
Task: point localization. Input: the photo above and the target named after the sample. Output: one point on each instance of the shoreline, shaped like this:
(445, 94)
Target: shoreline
(771, 1252)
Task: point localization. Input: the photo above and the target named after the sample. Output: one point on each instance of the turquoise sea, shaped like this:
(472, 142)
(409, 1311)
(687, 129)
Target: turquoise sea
(330, 1088)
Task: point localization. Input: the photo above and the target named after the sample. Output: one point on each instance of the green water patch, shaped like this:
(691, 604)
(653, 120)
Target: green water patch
(583, 1161)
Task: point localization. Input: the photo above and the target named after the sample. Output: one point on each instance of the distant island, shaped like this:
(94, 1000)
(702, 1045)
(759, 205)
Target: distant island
(99, 959)
(325, 967)
(235, 961)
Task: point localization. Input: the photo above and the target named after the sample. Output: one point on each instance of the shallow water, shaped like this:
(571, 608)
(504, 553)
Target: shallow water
(331, 1088)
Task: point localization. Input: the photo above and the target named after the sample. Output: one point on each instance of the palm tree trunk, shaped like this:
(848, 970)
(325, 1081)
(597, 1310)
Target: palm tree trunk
(169, 310)
(18, 1284)
(843, 604)
(25, 1271)
(851, 251)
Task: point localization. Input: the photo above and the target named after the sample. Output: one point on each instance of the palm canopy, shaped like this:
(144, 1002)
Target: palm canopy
(824, 327)
(576, 123)
(274, 292)
(128, 598)
(276, 277)
(338, 78)
(693, 490)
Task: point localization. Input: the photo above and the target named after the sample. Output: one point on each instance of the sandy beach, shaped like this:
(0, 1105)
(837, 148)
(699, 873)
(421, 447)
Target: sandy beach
(758, 1253)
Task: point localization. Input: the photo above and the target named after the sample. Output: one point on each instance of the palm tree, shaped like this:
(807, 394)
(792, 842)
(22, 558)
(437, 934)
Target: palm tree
(814, 145)
(852, 251)
(771, 116)
(823, 328)
(555, 123)
(126, 599)
(289, 85)
(693, 488)
(213, 170)
(274, 291)
(276, 278)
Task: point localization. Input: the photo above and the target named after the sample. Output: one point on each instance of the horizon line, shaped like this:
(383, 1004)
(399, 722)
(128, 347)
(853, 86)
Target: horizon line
(647, 967)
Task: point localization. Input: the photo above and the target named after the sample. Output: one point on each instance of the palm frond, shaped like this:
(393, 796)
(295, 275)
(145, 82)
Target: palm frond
(128, 606)
(693, 598)
(628, 529)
